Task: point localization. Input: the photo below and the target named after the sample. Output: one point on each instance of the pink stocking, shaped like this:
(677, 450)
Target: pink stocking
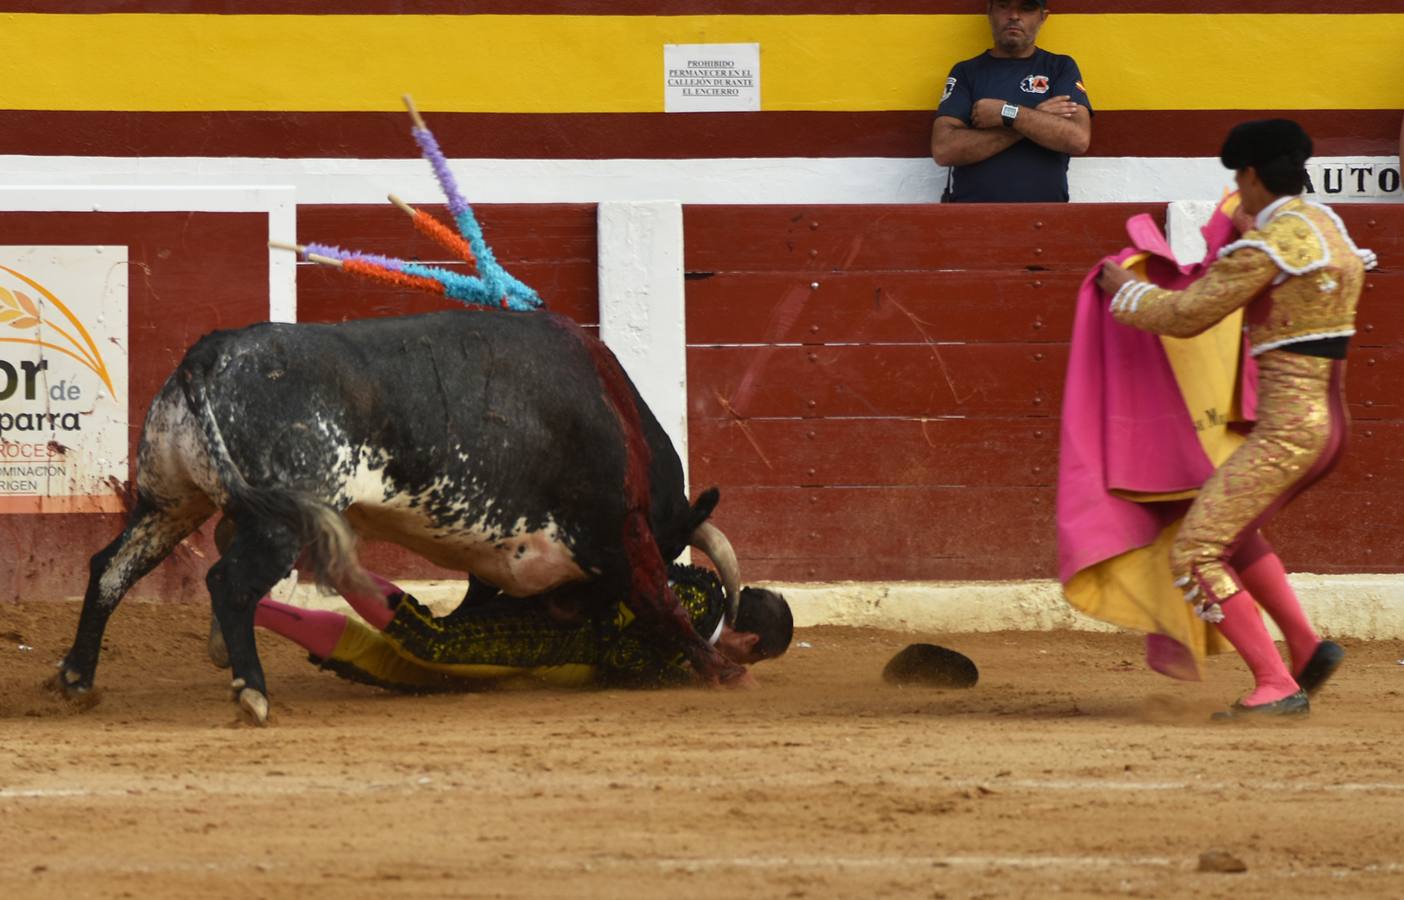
(316, 631)
(374, 609)
(1244, 628)
(1266, 579)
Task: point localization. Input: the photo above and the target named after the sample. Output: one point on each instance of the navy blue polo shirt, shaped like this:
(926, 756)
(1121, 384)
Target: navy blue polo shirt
(1025, 172)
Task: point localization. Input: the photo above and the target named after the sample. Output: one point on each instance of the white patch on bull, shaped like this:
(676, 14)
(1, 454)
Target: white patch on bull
(174, 460)
(518, 560)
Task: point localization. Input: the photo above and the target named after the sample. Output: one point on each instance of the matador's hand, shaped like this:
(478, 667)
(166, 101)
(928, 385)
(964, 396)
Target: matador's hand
(1242, 221)
(1112, 277)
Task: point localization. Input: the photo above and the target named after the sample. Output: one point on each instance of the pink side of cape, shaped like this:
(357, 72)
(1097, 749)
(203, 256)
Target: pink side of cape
(1124, 422)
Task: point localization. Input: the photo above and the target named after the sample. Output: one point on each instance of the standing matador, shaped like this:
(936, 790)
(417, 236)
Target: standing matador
(1299, 276)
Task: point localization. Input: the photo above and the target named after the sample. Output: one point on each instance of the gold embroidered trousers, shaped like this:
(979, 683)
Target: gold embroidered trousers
(1298, 437)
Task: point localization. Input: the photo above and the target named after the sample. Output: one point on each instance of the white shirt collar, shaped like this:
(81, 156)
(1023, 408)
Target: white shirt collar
(1267, 212)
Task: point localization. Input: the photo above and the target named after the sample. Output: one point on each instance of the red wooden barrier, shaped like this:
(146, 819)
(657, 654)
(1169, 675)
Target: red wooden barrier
(876, 389)
(550, 247)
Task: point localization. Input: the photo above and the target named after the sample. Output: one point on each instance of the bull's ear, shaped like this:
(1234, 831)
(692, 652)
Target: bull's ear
(702, 509)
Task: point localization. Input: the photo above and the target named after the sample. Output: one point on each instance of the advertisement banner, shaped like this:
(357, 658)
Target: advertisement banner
(63, 378)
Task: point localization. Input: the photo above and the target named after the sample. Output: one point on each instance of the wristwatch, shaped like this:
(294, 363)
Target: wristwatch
(1008, 114)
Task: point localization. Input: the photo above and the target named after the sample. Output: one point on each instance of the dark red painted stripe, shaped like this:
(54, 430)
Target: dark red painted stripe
(368, 135)
(678, 7)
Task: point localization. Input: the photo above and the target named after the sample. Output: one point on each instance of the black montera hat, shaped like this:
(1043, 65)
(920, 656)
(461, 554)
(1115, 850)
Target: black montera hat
(1263, 141)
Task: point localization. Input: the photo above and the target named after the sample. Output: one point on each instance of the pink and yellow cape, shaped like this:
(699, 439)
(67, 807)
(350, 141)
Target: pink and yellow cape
(1145, 420)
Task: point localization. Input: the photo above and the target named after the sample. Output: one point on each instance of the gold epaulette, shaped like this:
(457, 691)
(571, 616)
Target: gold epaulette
(1291, 239)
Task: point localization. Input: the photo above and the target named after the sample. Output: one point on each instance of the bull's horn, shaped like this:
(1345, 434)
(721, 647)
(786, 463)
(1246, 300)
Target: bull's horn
(709, 539)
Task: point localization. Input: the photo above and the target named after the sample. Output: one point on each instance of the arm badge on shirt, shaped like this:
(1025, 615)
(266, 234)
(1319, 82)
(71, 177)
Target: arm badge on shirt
(950, 86)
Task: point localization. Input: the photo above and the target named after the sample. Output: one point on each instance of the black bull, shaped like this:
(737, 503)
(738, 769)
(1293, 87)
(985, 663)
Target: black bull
(509, 446)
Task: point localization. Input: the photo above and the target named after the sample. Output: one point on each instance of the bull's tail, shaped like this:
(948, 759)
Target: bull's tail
(326, 537)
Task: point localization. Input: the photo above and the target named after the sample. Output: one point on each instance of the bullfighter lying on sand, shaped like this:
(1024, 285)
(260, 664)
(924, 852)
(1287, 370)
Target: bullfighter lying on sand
(518, 644)
(495, 642)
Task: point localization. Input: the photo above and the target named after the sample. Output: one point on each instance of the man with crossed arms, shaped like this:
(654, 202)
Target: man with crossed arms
(1011, 117)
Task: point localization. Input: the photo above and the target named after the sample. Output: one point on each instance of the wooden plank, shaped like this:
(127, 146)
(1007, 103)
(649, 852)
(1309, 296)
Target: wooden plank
(896, 381)
(1380, 318)
(904, 307)
(1373, 379)
(551, 246)
(905, 237)
(1372, 462)
(953, 452)
(516, 232)
(868, 452)
(921, 532)
(881, 307)
(1335, 531)
(886, 534)
(876, 381)
(1376, 226)
(327, 295)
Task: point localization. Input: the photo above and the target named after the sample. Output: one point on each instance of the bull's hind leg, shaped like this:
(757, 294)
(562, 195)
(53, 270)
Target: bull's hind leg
(260, 554)
(152, 532)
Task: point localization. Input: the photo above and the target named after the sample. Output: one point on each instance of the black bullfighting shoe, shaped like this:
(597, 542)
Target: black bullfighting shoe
(1292, 705)
(1324, 662)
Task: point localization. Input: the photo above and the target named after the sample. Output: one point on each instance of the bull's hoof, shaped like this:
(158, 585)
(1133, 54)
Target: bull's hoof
(71, 686)
(218, 650)
(251, 701)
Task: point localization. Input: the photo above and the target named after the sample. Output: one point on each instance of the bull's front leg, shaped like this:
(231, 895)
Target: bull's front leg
(652, 599)
(259, 555)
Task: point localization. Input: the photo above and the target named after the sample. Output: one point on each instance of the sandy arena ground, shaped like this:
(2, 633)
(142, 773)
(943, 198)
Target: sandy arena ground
(1068, 770)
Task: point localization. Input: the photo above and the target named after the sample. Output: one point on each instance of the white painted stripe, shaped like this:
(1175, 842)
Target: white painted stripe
(642, 297)
(778, 180)
(159, 195)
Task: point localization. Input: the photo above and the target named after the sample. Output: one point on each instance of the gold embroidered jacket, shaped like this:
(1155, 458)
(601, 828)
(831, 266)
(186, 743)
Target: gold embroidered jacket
(1312, 272)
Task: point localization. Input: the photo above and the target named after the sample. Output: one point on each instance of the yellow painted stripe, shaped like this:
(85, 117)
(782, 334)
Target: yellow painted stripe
(563, 64)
